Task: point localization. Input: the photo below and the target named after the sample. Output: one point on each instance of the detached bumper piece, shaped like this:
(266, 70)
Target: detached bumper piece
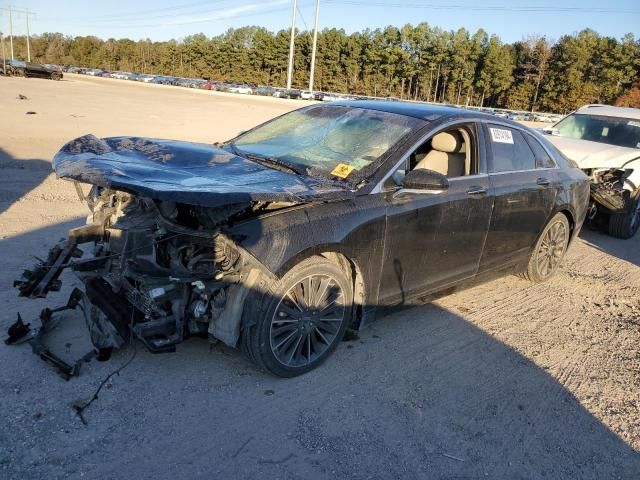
(43, 278)
(20, 332)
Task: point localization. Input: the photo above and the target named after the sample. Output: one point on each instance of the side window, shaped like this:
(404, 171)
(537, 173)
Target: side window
(451, 152)
(543, 160)
(510, 150)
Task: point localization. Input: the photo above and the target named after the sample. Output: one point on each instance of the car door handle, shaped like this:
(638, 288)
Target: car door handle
(543, 182)
(477, 191)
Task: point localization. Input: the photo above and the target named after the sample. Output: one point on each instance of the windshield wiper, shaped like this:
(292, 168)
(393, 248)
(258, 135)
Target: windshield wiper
(271, 162)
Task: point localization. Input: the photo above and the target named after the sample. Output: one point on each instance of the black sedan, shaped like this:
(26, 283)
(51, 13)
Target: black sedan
(29, 69)
(285, 237)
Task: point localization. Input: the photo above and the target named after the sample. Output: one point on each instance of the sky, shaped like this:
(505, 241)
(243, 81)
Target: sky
(512, 20)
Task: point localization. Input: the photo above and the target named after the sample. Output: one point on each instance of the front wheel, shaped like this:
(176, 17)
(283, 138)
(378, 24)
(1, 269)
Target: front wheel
(301, 321)
(625, 224)
(549, 250)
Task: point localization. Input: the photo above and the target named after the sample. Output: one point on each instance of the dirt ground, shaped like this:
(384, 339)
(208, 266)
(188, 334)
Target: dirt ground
(505, 380)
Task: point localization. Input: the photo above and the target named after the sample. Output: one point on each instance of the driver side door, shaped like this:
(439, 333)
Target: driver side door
(435, 239)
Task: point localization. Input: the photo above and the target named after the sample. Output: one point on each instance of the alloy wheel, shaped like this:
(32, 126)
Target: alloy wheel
(307, 320)
(552, 248)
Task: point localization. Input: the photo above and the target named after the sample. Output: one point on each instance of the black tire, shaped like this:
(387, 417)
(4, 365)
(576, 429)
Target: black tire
(56, 76)
(549, 250)
(287, 335)
(625, 225)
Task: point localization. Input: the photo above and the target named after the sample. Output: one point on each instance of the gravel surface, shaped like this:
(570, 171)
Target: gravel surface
(504, 380)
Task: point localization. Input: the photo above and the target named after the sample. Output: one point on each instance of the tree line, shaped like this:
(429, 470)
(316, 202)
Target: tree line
(413, 62)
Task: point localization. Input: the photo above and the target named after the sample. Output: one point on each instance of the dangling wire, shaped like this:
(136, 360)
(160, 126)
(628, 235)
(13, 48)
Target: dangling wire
(79, 409)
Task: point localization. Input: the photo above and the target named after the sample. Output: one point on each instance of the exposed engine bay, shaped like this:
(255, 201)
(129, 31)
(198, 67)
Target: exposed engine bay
(159, 270)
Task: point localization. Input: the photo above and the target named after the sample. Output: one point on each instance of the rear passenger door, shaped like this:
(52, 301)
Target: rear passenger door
(525, 186)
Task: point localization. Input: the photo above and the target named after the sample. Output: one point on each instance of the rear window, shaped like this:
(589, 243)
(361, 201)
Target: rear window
(510, 150)
(543, 160)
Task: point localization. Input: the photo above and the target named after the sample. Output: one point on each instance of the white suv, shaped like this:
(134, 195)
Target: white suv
(605, 142)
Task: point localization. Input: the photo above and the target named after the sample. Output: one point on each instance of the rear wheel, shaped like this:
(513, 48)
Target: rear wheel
(301, 321)
(549, 250)
(625, 224)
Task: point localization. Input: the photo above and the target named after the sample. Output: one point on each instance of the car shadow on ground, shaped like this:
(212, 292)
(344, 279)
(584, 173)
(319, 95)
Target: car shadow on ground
(628, 250)
(422, 393)
(19, 177)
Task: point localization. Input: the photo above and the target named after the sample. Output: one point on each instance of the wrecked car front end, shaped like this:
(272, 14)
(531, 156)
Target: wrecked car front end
(157, 258)
(609, 189)
(615, 182)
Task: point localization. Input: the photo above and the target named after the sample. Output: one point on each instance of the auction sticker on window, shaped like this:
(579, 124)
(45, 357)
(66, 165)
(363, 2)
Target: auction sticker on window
(342, 170)
(501, 136)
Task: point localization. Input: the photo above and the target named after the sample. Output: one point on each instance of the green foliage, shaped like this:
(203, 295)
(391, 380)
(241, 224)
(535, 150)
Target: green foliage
(416, 62)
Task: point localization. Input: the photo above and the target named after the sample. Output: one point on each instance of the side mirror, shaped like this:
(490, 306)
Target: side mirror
(423, 179)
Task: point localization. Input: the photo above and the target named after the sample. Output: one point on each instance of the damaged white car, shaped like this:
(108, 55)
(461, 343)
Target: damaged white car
(605, 143)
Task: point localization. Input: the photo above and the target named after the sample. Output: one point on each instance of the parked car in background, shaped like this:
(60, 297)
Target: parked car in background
(330, 97)
(291, 233)
(121, 75)
(244, 89)
(29, 69)
(604, 141)
(264, 90)
(284, 93)
(541, 117)
(307, 95)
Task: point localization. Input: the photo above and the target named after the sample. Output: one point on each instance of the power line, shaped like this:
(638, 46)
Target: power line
(492, 8)
(210, 18)
(141, 16)
(127, 15)
(302, 17)
(209, 15)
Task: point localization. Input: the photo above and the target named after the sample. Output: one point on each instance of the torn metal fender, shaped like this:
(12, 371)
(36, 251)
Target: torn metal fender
(183, 172)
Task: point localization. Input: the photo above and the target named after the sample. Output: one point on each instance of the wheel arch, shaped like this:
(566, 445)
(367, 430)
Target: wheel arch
(345, 260)
(566, 211)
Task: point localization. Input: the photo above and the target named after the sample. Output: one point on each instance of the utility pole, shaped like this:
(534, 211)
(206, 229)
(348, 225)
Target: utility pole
(11, 31)
(315, 45)
(26, 13)
(4, 60)
(28, 42)
(292, 44)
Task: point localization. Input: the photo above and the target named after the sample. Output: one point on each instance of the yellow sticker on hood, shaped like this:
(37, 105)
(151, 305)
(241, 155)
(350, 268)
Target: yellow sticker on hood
(342, 170)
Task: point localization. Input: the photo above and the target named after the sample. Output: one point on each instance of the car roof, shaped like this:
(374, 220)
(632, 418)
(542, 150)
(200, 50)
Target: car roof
(609, 111)
(423, 111)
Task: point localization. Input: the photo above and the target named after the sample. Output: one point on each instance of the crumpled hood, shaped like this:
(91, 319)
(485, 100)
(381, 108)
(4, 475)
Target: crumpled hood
(589, 154)
(196, 174)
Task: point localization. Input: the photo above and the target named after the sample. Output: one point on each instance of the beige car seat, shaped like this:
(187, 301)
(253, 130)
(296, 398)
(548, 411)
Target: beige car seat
(447, 156)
